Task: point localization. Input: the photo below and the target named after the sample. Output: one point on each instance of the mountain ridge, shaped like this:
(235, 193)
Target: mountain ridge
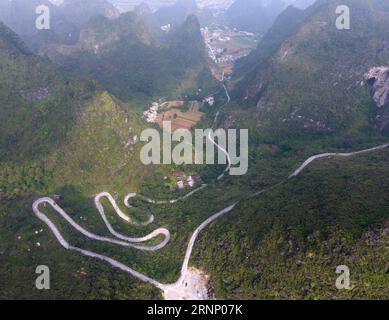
(310, 81)
(131, 61)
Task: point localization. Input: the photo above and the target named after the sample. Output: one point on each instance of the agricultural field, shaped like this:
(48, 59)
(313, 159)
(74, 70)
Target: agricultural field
(183, 115)
(225, 46)
(171, 104)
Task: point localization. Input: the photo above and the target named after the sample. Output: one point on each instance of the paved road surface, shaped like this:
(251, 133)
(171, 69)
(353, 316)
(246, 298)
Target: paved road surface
(130, 241)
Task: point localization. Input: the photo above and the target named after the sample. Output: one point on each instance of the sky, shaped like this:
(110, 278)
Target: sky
(154, 4)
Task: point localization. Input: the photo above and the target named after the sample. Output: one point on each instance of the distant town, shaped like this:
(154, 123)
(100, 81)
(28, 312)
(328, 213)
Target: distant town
(225, 46)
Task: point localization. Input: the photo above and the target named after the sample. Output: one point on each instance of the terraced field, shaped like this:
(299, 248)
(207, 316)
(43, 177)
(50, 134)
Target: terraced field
(180, 119)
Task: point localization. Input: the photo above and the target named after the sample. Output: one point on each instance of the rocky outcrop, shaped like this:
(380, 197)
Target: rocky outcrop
(378, 80)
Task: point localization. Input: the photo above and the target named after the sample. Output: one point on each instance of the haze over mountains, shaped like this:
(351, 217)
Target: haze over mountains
(68, 16)
(72, 99)
(332, 69)
(126, 57)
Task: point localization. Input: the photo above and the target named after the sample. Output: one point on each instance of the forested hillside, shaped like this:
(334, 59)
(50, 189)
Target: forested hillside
(66, 20)
(71, 103)
(126, 57)
(310, 79)
(287, 242)
(60, 136)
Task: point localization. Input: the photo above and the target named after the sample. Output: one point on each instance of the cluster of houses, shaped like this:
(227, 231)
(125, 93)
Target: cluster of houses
(166, 28)
(185, 181)
(210, 100)
(150, 115)
(219, 53)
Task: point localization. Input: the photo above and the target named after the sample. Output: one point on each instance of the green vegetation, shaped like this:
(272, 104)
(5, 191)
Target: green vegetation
(67, 136)
(127, 58)
(308, 80)
(66, 20)
(71, 140)
(287, 242)
(38, 103)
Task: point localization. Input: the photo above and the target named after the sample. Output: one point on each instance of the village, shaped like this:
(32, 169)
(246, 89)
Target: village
(183, 181)
(225, 46)
(172, 111)
(182, 114)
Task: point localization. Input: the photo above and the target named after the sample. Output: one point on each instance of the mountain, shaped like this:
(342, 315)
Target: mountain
(125, 6)
(146, 14)
(70, 130)
(65, 136)
(253, 15)
(20, 16)
(34, 96)
(286, 24)
(125, 56)
(10, 43)
(311, 77)
(78, 12)
(43, 109)
(65, 19)
(188, 43)
(176, 13)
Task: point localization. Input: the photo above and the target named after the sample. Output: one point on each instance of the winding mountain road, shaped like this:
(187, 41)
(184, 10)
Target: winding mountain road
(209, 137)
(328, 155)
(124, 241)
(130, 242)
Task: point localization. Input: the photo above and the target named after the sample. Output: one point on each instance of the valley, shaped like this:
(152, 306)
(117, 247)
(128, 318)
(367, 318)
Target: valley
(227, 46)
(76, 197)
(181, 120)
(180, 289)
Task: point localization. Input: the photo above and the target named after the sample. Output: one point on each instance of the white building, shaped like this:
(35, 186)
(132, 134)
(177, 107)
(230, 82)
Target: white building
(210, 100)
(150, 115)
(190, 181)
(166, 28)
